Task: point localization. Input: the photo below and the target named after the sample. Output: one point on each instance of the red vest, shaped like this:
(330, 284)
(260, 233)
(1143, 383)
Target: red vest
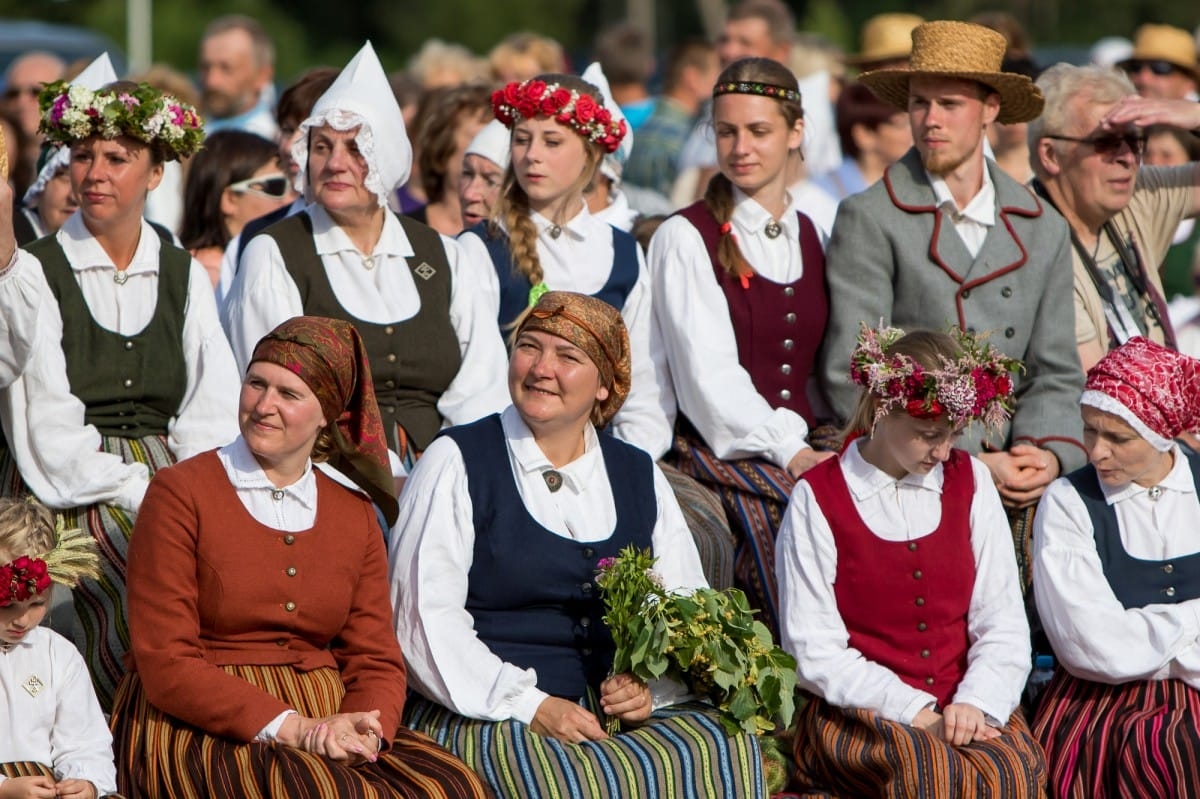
(778, 326)
(905, 603)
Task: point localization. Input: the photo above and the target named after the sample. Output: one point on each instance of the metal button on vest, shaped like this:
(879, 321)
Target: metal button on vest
(389, 330)
(788, 343)
(785, 395)
(291, 571)
(786, 368)
(289, 607)
(289, 539)
(588, 552)
(920, 601)
(1006, 292)
(966, 295)
(1009, 332)
(391, 358)
(124, 427)
(1170, 591)
(585, 622)
(390, 383)
(929, 681)
(128, 345)
(586, 588)
(917, 575)
(1169, 568)
(127, 382)
(912, 546)
(924, 653)
(281, 642)
(587, 650)
(922, 626)
(788, 291)
(790, 318)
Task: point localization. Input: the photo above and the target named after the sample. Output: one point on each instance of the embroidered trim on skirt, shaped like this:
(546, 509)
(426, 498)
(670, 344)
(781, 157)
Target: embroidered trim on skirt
(1137, 739)
(851, 752)
(682, 751)
(160, 757)
(705, 517)
(755, 495)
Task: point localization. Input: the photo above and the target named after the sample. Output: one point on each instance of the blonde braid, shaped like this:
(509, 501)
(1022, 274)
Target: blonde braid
(513, 209)
(718, 199)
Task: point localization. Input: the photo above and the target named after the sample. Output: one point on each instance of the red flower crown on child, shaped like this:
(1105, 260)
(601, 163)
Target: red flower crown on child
(22, 579)
(975, 386)
(72, 558)
(578, 110)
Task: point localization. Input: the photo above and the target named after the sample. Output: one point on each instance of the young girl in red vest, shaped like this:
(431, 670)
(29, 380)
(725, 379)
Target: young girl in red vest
(740, 299)
(899, 591)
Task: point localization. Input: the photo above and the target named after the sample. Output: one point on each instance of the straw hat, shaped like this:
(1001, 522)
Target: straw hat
(1165, 43)
(885, 37)
(960, 50)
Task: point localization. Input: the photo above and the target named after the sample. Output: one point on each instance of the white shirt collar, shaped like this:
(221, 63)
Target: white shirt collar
(85, 252)
(866, 480)
(982, 207)
(248, 475)
(1178, 479)
(329, 238)
(577, 227)
(751, 218)
(531, 460)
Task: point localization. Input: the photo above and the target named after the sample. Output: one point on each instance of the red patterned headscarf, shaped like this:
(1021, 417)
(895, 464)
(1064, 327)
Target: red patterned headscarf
(330, 357)
(1153, 388)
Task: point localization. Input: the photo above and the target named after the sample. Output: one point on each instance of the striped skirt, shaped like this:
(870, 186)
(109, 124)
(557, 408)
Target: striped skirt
(682, 751)
(705, 517)
(855, 753)
(160, 757)
(27, 768)
(755, 495)
(1137, 739)
(101, 631)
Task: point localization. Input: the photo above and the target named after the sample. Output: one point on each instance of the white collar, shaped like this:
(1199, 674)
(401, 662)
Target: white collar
(982, 207)
(1178, 479)
(577, 474)
(752, 218)
(866, 480)
(329, 238)
(87, 254)
(577, 227)
(248, 475)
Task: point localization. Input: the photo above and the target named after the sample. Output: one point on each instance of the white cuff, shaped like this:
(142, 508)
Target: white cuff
(526, 703)
(269, 732)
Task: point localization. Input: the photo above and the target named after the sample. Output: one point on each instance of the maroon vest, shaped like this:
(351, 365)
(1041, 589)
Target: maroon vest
(778, 327)
(905, 603)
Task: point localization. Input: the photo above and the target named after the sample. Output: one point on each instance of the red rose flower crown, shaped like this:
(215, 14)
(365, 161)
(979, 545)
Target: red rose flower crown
(577, 110)
(975, 386)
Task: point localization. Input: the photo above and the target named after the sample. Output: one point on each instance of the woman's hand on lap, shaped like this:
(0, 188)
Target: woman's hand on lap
(963, 723)
(27, 788)
(75, 789)
(566, 721)
(805, 459)
(626, 697)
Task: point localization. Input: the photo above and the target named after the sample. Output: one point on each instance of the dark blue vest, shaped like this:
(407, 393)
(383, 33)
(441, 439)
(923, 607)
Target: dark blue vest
(532, 593)
(1136, 583)
(514, 287)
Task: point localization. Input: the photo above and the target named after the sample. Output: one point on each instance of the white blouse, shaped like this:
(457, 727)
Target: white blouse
(581, 260)
(50, 713)
(714, 391)
(21, 296)
(998, 659)
(57, 453)
(1092, 633)
(432, 548)
(263, 295)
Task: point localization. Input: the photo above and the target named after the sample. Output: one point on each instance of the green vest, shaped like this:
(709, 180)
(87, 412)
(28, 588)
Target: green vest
(131, 386)
(1176, 269)
(412, 362)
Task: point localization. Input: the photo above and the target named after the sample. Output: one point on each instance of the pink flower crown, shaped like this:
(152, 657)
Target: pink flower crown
(976, 386)
(22, 579)
(579, 111)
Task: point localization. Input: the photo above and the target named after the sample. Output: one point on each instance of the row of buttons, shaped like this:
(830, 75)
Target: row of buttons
(1005, 292)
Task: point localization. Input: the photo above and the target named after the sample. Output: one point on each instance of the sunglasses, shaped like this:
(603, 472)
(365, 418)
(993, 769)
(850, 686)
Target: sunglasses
(272, 186)
(1157, 66)
(1109, 143)
(13, 92)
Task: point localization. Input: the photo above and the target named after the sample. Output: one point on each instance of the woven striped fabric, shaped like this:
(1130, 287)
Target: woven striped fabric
(1020, 522)
(160, 757)
(854, 753)
(1133, 740)
(754, 494)
(100, 630)
(682, 752)
(705, 517)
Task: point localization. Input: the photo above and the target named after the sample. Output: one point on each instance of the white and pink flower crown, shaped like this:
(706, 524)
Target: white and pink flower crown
(578, 110)
(975, 386)
(71, 113)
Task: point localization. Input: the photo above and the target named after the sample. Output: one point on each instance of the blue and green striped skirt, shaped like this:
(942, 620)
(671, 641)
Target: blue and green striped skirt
(681, 752)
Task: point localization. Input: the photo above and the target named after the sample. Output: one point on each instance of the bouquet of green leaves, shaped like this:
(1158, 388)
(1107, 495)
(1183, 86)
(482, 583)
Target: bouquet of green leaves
(706, 639)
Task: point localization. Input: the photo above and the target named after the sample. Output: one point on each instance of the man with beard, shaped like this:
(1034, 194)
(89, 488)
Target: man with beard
(946, 238)
(237, 65)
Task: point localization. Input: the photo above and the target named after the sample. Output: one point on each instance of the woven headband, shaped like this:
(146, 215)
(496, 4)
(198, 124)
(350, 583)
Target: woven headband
(750, 87)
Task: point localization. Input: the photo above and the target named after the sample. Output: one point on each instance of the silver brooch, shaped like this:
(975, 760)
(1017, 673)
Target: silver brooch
(368, 262)
(1154, 492)
(774, 229)
(555, 231)
(33, 686)
(554, 480)
(120, 276)
(277, 494)
(424, 271)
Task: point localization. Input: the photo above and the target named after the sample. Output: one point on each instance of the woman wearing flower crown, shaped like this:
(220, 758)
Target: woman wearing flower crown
(542, 236)
(131, 368)
(54, 741)
(515, 673)
(739, 295)
(1117, 581)
(435, 355)
(899, 591)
